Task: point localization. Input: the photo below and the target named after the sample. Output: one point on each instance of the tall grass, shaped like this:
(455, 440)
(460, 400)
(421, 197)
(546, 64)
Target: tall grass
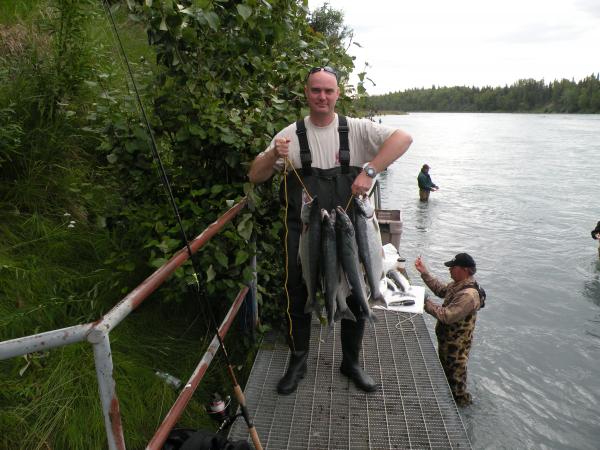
(51, 400)
(14, 11)
(56, 253)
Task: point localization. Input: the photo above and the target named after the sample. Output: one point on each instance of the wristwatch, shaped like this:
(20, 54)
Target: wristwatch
(370, 171)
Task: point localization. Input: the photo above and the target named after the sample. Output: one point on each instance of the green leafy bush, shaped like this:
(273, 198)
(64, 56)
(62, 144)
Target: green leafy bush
(85, 217)
(231, 76)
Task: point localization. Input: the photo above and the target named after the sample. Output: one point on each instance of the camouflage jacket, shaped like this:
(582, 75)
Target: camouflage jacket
(459, 302)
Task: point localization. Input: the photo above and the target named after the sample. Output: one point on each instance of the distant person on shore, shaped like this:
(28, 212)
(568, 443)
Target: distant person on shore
(425, 183)
(596, 235)
(456, 317)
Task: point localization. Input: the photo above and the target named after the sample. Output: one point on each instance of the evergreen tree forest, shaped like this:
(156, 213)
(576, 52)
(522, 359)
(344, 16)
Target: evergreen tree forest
(523, 96)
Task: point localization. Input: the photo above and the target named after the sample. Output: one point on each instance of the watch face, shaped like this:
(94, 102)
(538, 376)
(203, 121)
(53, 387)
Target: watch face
(371, 172)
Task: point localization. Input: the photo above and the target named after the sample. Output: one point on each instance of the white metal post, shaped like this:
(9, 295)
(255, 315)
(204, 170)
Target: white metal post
(106, 386)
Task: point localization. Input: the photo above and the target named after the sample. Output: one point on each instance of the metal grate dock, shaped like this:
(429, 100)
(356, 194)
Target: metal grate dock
(413, 409)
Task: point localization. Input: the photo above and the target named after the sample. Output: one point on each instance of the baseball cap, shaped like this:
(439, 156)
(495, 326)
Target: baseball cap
(462, 260)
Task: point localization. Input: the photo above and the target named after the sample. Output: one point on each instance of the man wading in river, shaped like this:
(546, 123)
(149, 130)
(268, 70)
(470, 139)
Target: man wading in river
(329, 152)
(426, 185)
(463, 297)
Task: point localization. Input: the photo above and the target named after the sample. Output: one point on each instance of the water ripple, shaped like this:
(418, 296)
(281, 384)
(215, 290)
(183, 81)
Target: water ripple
(520, 193)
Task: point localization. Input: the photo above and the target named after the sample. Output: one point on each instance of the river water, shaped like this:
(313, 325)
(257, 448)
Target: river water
(520, 193)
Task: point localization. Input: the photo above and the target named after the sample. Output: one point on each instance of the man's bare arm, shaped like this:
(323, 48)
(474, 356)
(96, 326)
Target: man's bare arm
(263, 166)
(393, 148)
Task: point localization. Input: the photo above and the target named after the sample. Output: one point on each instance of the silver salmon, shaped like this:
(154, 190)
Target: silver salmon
(335, 302)
(310, 249)
(370, 247)
(348, 254)
(399, 280)
(342, 311)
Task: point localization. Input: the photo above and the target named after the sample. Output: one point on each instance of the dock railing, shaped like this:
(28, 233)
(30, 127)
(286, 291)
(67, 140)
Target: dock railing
(97, 334)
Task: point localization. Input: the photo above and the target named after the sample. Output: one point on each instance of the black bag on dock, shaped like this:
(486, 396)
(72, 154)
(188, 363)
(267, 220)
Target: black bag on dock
(188, 439)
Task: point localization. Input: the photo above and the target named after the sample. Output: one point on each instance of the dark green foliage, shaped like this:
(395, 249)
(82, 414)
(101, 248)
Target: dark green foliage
(84, 217)
(523, 96)
(232, 75)
(330, 23)
(62, 262)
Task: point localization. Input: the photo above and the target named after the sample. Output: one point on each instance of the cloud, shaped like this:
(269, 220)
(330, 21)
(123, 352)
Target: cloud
(413, 44)
(589, 6)
(542, 33)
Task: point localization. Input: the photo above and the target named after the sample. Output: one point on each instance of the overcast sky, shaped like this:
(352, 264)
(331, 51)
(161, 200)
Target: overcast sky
(420, 43)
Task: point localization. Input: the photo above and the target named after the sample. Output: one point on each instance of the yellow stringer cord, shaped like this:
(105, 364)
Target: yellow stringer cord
(299, 179)
(348, 204)
(285, 285)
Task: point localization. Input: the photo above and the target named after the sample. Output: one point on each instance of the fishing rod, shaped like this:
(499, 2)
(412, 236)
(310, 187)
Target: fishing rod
(239, 394)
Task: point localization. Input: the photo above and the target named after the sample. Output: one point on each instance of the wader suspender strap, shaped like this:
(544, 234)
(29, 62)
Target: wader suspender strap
(344, 145)
(480, 291)
(305, 156)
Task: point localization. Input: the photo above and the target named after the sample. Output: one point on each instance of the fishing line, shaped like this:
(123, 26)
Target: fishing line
(285, 283)
(410, 318)
(348, 204)
(287, 161)
(238, 392)
(306, 189)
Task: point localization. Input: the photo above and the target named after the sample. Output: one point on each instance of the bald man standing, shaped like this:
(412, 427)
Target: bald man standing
(336, 157)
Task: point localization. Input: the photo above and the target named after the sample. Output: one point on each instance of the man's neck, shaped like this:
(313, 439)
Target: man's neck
(321, 120)
(466, 279)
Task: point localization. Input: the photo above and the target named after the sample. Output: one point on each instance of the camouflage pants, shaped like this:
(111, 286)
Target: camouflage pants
(423, 195)
(453, 351)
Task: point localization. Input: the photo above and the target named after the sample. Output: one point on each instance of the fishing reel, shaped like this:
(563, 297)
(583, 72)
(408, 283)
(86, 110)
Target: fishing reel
(218, 410)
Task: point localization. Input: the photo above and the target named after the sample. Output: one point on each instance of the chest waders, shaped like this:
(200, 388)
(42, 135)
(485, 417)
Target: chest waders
(454, 345)
(333, 187)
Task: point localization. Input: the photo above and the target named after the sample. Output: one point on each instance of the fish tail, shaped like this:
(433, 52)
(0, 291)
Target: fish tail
(329, 332)
(372, 318)
(308, 307)
(378, 301)
(346, 314)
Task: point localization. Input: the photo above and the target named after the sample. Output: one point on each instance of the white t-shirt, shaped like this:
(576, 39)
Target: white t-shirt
(365, 138)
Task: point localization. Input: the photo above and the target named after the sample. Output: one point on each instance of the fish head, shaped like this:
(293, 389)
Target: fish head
(364, 206)
(328, 221)
(315, 211)
(305, 197)
(307, 204)
(343, 222)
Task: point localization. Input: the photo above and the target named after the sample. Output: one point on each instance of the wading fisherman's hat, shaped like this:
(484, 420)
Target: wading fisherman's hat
(462, 260)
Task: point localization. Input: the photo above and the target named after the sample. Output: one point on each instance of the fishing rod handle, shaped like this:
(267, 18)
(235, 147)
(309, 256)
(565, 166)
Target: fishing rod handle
(239, 395)
(255, 439)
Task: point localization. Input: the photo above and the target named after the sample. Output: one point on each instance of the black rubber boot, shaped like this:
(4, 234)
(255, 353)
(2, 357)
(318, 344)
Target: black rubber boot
(295, 372)
(296, 369)
(352, 335)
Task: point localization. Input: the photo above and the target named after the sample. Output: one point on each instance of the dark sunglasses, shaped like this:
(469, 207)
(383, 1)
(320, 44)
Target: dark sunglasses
(327, 69)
